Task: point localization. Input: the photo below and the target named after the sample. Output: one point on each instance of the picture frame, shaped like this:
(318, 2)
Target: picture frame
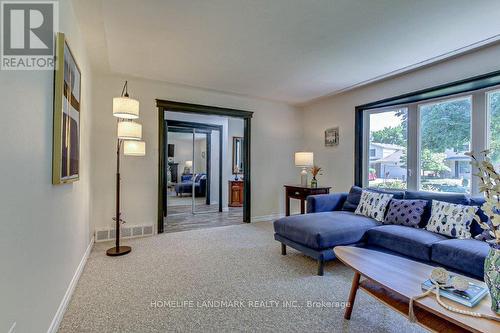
(332, 137)
(67, 108)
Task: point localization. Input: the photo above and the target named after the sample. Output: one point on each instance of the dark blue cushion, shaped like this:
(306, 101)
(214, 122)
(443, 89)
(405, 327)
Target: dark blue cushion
(325, 202)
(477, 201)
(475, 228)
(184, 187)
(186, 177)
(409, 241)
(324, 230)
(454, 198)
(352, 200)
(465, 255)
(396, 194)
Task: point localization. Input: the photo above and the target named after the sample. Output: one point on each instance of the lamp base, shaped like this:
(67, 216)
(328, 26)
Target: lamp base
(118, 251)
(303, 177)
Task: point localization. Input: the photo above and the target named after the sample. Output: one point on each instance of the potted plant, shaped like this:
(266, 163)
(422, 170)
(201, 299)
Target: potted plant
(490, 186)
(315, 171)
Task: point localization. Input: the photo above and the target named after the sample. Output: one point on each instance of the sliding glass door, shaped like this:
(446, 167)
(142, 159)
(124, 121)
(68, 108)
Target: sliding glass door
(193, 170)
(206, 171)
(179, 171)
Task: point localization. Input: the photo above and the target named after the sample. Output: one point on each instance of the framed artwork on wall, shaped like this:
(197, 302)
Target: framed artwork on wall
(66, 129)
(332, 137)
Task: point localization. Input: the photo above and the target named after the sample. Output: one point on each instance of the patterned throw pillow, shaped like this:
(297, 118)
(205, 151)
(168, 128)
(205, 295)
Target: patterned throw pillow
(405, 212)
(451, 219)
(373, 205)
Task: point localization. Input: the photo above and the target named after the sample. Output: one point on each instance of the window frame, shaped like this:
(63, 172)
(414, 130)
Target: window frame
(366, 139)
(479, 132)
(481, 82)
(494, 90)
(419, 136)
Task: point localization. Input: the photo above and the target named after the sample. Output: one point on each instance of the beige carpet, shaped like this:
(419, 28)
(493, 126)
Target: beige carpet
(240, 263)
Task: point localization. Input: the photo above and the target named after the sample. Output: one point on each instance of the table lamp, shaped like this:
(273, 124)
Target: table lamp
(304, 160)
(188, 166)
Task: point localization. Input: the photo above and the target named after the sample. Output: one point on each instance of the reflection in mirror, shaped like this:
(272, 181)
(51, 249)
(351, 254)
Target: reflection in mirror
(238, 155)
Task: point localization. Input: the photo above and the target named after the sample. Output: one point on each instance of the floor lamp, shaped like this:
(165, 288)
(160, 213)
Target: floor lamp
(129, 138)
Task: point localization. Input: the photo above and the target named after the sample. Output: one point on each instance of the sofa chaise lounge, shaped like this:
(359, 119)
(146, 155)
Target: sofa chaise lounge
(186, 185)
(330, 221)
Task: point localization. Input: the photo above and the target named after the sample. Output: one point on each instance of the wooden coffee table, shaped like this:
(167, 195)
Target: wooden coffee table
(394, 280)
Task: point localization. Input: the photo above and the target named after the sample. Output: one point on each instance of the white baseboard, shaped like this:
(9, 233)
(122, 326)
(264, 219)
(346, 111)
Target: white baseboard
(270, 217)
(56, 321)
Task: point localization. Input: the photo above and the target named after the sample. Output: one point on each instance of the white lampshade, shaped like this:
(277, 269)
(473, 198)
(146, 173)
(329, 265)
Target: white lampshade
(134, 148)
(189, 164)
(304, 159)
(129, 130)
(125, 107)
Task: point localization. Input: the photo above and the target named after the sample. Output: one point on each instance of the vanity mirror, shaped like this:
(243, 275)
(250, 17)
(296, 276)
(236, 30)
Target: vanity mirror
(238, 155)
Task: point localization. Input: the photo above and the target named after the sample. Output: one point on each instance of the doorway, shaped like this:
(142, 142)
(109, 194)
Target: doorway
(172, 171)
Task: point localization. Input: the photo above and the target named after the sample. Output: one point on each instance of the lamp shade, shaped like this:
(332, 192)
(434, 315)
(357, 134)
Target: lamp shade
(125, 107)
(189, 164)
(129, 130)
(134, 148)
(304, 159)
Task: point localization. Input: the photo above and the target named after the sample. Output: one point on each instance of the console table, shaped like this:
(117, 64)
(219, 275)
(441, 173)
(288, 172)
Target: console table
(301, 193)
(235, 193)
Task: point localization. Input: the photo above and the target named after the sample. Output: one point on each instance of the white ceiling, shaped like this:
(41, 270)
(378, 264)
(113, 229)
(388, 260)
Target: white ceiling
(287, 50)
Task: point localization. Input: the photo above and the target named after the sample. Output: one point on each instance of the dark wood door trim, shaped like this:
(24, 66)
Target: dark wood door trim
(162, 145)
(173, 106)
(247, 130)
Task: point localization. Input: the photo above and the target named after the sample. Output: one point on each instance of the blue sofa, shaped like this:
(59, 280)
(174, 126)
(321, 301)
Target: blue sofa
(330, 221)
(186, 185)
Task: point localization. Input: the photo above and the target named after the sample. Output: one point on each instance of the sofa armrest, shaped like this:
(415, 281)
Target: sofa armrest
(203, 185)
(325, 202)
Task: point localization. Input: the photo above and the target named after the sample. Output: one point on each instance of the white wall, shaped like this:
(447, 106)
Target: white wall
(276, 134)
(44, 228)
(338, 110)
(183, 148)
(199, 149)
(183, 143)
